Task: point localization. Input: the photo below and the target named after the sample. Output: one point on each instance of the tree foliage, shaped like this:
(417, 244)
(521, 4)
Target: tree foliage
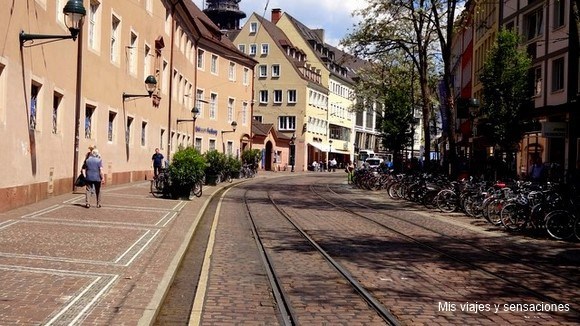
(416, 28)
(387, 85)
(505, 90)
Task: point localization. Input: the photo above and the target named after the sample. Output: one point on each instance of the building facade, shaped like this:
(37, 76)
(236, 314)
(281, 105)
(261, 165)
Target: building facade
(59, 97)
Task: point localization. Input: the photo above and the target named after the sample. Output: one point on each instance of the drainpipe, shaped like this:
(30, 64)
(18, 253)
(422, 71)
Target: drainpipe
(170, 105)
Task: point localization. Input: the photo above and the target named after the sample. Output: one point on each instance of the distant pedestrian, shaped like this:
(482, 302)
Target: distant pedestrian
(537, 173)
(93, 170)
(157, 160)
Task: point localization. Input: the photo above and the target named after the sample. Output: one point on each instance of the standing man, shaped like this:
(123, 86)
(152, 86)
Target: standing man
(157, 159)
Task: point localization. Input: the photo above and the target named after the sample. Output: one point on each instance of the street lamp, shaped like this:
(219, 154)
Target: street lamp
(194, 113)
(150, 84)
(234, 126)
(328, 156)
(292, 151)
(74, 12)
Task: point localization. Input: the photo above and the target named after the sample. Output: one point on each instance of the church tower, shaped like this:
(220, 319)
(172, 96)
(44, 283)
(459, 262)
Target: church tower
(226, 14)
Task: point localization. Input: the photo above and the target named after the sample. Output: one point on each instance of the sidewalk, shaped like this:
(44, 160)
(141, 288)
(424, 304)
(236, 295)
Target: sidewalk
(61, 263)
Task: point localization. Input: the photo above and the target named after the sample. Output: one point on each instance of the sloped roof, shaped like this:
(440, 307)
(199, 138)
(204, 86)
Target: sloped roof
(211, 35)
(313, 38)
(264, 129)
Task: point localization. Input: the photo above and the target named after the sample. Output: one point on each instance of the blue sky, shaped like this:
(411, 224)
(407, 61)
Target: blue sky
(331, 15)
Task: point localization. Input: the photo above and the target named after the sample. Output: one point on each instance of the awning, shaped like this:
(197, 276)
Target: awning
(320, 147)
(339, 151)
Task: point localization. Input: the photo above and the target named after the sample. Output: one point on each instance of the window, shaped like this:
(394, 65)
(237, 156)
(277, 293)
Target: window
(286, 123)
(89, 113)
(200, 59)
(111, 125)
(212, 144)
(94, 13)
(537, 80)
(258, 118)
(244, 113)
(34, 105)
(246, 77)
(559, 9)
(277, 96)
(232, 71)
(56, 100)
(3, 85)
(253, 49)
(132, 53)
(128, 130)
(231, 105)
(161, 137)
(198, 144)
(214, 64)
(558, 74)
(213, 106)
(263, 71)
(242, 48)
(230, 148)
(253, 27)
(275, 70)
(115, 41)
(265, 48)
(291, 96)
(143, 132)
(165, 77)
(534, 24)
(147, 61)
(263, 96)
(199, 102)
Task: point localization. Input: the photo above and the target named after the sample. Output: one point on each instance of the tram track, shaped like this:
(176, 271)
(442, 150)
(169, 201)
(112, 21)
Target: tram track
(433, 248)
(284, 301)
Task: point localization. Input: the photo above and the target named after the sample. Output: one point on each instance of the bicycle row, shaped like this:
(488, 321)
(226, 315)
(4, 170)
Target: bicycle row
(162, 187)
(516, 206)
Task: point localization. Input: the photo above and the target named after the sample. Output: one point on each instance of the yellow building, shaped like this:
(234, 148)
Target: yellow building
(92, 90)
(288, 91)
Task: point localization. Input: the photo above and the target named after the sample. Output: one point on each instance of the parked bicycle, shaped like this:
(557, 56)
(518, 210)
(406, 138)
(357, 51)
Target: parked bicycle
(161, 187)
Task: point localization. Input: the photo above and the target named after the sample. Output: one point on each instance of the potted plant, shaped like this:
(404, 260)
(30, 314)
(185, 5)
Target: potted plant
(233, 167)
(251, 157)
(187, 166)
(215, 165)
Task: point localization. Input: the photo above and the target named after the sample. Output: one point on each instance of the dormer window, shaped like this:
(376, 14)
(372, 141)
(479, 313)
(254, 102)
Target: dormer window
(253, 27)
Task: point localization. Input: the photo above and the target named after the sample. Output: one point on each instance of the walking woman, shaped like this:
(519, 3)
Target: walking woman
(93, 169)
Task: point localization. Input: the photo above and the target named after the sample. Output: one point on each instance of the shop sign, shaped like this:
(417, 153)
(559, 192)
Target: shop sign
(554, 129)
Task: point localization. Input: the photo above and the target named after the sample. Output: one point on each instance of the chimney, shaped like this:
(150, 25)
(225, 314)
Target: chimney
(320, 33)
(276, 14)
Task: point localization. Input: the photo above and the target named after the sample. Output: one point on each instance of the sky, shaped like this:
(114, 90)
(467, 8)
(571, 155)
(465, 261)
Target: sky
(331, 15)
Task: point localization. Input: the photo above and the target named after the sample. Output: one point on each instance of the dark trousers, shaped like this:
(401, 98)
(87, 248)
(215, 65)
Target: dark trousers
(93, 186)
(156, 169)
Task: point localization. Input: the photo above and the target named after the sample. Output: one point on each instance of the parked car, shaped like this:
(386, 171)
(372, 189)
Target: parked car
(373, 163)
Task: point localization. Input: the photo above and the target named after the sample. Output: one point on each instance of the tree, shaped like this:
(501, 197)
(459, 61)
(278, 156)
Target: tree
(420, 30)
(505, 91)
(386, 85)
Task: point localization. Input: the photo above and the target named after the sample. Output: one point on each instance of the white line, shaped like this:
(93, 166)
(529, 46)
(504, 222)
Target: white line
(8, 223)
(132, 246)
(40, 211)
(197, 309)
(72, 302)
(92, 302)
(142, 248)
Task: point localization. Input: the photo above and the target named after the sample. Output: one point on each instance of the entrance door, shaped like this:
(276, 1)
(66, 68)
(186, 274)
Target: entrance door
(268, 157)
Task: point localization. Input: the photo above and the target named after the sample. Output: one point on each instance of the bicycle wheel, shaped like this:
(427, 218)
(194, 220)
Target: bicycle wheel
(494, 208)
(577, 228)
(560, 224)
(446, 201)
(512, 217)
(196, 190)
(157, 187)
